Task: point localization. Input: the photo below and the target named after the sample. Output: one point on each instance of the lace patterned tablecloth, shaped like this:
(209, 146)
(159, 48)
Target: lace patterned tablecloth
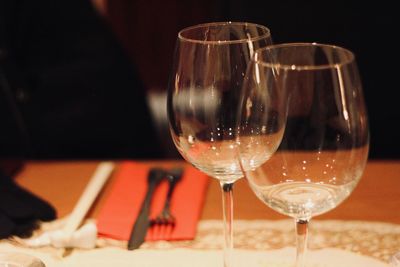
(256, 243)
(376, 239)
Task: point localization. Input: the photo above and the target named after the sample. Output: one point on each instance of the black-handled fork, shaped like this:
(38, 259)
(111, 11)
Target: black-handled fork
(166, 217)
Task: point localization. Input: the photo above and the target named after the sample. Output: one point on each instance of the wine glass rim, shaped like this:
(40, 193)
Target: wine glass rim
(350, 57)
(267, 33)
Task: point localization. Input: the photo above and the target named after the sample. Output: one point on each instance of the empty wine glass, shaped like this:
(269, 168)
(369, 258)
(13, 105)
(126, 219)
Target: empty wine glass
(210, 63)
(325, 144)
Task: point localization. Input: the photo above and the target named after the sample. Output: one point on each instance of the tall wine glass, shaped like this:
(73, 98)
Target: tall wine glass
(210, 63)
(324, 147)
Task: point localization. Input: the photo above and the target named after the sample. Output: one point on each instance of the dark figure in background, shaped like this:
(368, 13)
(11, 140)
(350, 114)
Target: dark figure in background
(67, 91)
(67, 88)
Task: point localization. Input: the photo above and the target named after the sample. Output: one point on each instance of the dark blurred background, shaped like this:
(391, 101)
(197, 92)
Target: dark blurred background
(87, 79)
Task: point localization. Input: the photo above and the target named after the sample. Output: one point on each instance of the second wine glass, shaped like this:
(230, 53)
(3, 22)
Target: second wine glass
(325, 144)
(209, 66)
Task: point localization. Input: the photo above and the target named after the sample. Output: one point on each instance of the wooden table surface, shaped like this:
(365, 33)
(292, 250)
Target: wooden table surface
(376, 198)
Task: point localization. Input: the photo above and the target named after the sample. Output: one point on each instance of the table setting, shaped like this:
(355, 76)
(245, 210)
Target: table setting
(122, 208)
(259, 239)
(287, 122)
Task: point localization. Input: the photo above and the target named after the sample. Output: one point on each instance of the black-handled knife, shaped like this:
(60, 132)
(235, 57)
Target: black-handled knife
(142, 222)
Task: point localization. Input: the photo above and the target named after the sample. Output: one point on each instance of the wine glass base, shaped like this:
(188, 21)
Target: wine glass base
(395, 260)
(12, 259)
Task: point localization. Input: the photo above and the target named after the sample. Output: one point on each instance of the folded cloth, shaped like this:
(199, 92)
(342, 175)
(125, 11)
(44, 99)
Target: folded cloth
(20, 210)
(120, 210)
(84, 237)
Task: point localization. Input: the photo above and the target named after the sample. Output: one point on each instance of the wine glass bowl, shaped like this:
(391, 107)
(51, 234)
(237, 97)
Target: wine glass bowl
(293, 187)
(209, 66)
(324, 147)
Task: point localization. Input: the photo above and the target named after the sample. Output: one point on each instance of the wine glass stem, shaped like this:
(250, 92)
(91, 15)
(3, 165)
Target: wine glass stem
(227, 207)
(301, 240)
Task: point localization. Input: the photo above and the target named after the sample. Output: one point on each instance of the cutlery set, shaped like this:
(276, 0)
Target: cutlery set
(143, 221)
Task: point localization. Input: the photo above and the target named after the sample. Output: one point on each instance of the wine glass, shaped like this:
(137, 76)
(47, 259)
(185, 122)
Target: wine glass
(325, 143)
(210, 63)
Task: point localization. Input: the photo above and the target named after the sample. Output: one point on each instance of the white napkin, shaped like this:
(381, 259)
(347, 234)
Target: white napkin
(85, 237)
(68, 236)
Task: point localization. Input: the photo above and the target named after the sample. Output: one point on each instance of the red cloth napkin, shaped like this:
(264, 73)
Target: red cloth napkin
(123, 204)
